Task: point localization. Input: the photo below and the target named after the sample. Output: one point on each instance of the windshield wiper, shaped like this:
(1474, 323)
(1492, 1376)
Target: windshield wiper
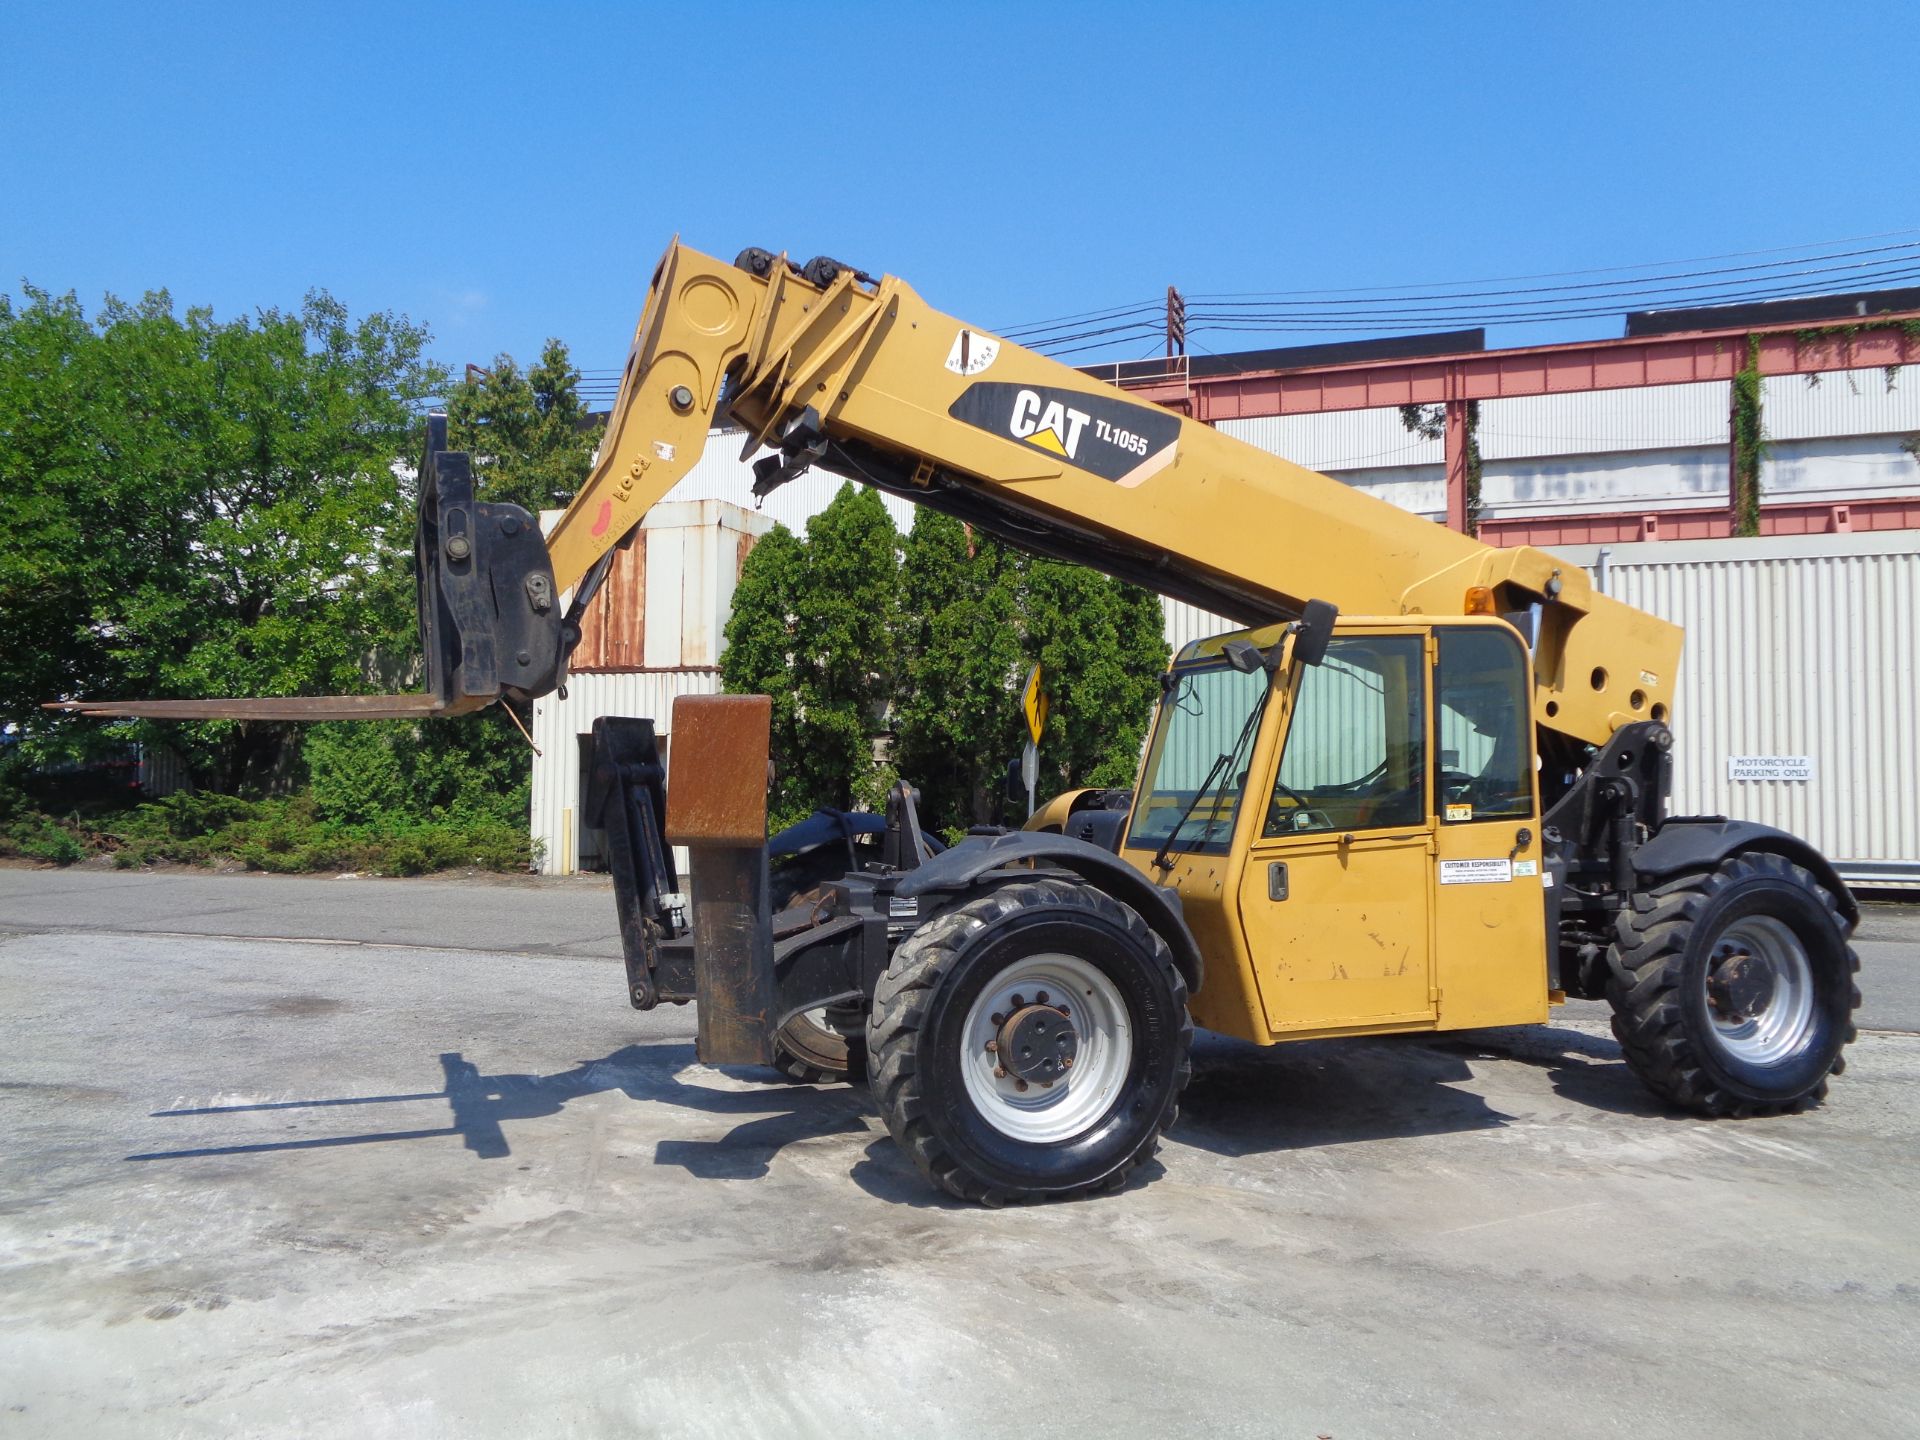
(1161, 859)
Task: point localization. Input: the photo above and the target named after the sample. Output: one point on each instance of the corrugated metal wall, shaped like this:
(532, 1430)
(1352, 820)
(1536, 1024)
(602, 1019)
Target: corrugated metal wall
(1796, 645)
(559, 729)
(1843, 402)
(1596, 422)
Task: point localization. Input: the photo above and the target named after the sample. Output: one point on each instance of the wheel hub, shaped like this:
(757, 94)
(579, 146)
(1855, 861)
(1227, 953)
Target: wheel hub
(1739, 985)
(1037, 1044)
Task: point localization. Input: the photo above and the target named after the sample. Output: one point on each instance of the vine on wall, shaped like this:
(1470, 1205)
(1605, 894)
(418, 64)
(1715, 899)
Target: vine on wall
(1749, 442)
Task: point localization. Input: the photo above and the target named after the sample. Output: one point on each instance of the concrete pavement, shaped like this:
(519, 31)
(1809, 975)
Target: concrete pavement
(269, 1185)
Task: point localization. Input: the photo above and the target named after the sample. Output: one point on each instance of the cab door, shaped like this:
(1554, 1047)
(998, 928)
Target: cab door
(1489, 905)
(1334, 897)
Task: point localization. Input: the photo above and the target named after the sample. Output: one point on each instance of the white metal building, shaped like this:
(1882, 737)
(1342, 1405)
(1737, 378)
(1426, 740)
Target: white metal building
(1663, 447)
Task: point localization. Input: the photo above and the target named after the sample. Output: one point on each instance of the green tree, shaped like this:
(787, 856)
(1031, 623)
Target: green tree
(200, 507)
(762, 653)
(814, 626)
(530, 434)
(1101, 646)
(957, 719)
(848, 648)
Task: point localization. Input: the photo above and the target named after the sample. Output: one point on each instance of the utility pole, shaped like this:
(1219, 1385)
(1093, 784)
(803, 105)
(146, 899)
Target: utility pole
(1176, 323)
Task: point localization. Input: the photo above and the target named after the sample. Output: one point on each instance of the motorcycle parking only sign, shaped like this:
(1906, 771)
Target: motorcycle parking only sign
(1769, 767)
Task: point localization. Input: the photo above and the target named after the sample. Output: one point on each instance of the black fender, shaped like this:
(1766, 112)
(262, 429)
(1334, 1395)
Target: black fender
(1681, 846)
(962, 867)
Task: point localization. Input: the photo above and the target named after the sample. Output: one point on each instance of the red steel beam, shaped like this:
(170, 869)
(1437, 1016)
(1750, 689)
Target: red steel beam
(1874, 342)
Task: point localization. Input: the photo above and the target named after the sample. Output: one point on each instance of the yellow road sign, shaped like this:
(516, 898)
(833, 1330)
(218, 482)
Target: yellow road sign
(1034, 702)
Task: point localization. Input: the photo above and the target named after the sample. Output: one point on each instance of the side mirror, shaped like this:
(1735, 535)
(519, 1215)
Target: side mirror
(1313, 630)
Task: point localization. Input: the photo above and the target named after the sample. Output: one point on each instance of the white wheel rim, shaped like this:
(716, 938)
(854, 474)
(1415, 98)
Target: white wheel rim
(1098, 1013)
(1775, 1028)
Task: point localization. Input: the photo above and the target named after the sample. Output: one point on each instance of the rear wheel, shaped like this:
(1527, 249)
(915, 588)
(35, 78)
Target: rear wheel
(1030, 1042)
(1732, 989)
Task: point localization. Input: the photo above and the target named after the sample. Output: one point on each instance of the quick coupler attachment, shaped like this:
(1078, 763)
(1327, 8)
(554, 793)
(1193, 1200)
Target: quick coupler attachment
(490, 619)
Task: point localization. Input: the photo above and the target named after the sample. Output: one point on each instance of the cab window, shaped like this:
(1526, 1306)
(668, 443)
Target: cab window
(1355, 756)
(1485, 725)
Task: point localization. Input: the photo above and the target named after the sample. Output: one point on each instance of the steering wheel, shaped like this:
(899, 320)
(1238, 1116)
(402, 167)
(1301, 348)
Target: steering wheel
(1303, 807)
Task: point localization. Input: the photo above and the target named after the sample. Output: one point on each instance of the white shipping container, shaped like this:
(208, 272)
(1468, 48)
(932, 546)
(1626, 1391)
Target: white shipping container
(562, 731)
(1797, 646)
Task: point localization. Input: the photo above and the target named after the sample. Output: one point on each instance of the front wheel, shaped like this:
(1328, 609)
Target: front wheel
(1030, 1042)
(1732, 989)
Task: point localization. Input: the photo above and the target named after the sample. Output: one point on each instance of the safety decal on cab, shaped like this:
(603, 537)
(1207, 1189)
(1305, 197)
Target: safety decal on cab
(1110, 438)
(1475, 872)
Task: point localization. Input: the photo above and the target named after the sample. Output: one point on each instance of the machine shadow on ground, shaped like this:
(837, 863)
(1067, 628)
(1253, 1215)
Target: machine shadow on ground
(1243, 1100)
(1250, 1100)
(483, 1105)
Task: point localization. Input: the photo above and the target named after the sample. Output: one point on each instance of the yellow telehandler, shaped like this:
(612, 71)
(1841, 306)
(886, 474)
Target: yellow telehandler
(1425, 789)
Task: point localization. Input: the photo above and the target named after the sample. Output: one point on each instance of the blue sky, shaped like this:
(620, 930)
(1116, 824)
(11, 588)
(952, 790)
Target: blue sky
(508, 172)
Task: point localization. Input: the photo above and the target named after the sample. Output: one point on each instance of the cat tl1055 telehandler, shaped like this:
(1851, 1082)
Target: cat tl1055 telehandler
(1441, 805)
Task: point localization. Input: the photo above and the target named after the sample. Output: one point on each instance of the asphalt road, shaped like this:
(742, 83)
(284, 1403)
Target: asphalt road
(366, 1158)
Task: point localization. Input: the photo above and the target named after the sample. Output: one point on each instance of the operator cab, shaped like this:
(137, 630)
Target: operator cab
(1363, 830)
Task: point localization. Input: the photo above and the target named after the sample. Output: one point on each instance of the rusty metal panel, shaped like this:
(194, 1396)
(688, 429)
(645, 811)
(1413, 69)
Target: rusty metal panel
(615, 619)
(717, 780)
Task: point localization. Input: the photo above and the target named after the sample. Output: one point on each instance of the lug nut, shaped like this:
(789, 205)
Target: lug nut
(1041, 998)
(1064, 1011)
(999, 1072)
(1018, 1002)
(998, 1019)
(992, 1046)
(1066, 1062)
(1020, 1085)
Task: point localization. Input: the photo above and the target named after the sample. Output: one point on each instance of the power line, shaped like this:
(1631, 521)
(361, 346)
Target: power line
(1689, 296)
(1815, 246)
(1420, 320)
(1615, 289)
